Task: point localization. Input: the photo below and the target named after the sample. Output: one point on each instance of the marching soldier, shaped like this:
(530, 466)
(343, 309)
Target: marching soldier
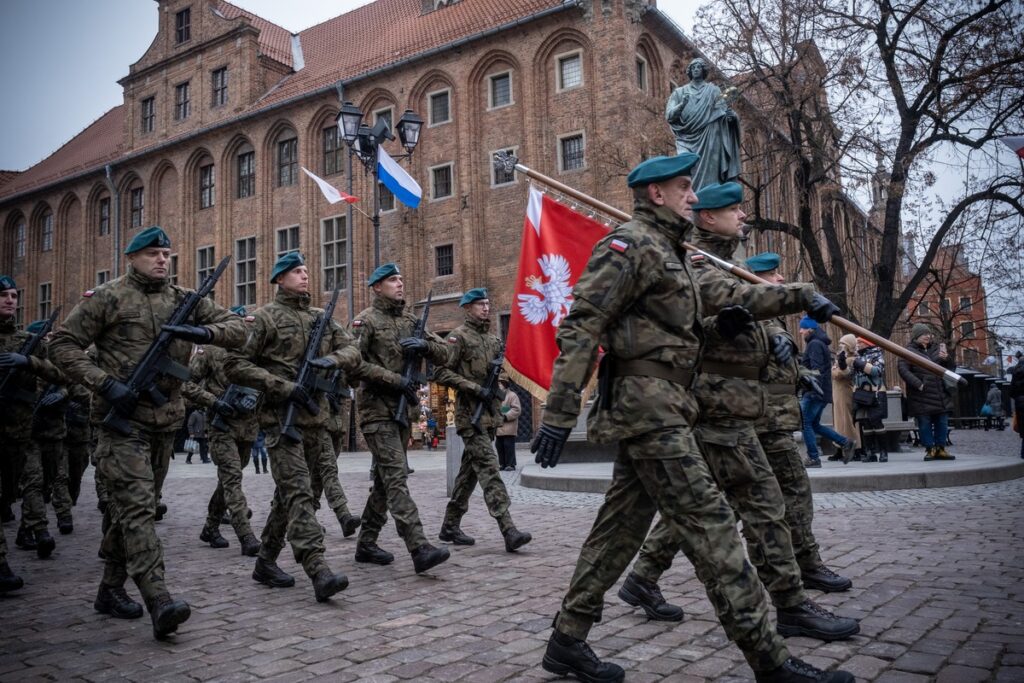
(49, 430)
(76, 443)
(384, 334)
(231, 428)
(638, 299)
(324, 475)
(270, 361)
(475, 351)
(123, 317)
(731, 398)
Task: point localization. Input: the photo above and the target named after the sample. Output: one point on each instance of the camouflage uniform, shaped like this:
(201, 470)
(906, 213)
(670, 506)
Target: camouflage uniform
(639, 299)
(123, 317)
(49, 429)
(324, 477)
(378, 330)
(269, 361)
(731, 397)
(231, 449)
(23, 465)
(76, 443)
(473, 349)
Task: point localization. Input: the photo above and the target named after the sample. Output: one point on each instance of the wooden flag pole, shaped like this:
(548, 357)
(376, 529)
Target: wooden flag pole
(510, 162)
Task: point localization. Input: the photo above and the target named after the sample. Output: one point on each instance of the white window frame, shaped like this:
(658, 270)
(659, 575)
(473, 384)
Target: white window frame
(102, 277)
(394, 200)
(278, 252)
(491, 106)
(203, 273)
(325, 245)
(561, 57)
(433, 189)
(430, 107)
(561, 161)
(244, 263)
(514, 149)
(391, 111)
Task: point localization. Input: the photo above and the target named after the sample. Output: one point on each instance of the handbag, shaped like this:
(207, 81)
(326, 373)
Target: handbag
(864, 398)
(190, 445)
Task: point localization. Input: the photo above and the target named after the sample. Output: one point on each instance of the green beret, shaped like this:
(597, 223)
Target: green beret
(35, 326)
(763, 262)
(718, 196)
(656, 169)
(150, 237)
(472, 295)
(7, 282)
(237, 310)
(382, 273)
(286, 262)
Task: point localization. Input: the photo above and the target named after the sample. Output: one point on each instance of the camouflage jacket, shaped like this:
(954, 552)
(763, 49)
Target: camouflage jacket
(49, 425)
(209, 382)
(472, 349)
(76, 414)
(122, 318)
(638, 298)
(782, 413)
(16, 421)
(378, 330)
(270, 359)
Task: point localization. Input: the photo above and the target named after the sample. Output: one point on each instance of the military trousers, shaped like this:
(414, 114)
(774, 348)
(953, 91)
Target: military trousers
(324, 478)
(55, 475)
(161, 466)
(131, 547)
(77, 455)
(677, 483)
(230, 455)
(11, 465)
(338, 441)
(292, 512)
(741, 470)
(788, 465)
(390, 490)
(479, 463)
(33, 508)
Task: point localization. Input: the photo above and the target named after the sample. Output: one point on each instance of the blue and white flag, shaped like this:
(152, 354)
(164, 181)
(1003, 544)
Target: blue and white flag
(396, 179)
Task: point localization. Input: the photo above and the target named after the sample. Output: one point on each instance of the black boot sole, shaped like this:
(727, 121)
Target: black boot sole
(439, 558)
(827, 587)
(170, 623)
(251, 552)
(333, 590)
(111, 612)
(630, 598)
(788, 631)
(45, 548)
(560, 669)
(374, 559)
(11, 585)
(350, 527)
(456, 541)
(273, 583)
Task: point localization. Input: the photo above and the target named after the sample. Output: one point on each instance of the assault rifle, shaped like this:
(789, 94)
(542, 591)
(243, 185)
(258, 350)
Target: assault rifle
(155, 362)
(27, 349)
(243, 399)
(413, 364)
(491, 389)
(309, 377)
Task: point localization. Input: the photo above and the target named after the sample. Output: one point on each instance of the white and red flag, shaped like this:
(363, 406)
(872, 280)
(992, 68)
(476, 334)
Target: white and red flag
(1016, 143)
(556, 245)
(331, 193)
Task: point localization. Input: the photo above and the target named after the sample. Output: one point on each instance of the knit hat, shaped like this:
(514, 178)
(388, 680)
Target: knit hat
(918, 330)
(849, 342)
(808, 324)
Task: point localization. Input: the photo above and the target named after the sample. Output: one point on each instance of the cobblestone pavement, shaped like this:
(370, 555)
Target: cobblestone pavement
(938, 583)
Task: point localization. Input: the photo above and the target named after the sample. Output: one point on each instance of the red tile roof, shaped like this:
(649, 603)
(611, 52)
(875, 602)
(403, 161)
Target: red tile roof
(371, 37)
(6, 176)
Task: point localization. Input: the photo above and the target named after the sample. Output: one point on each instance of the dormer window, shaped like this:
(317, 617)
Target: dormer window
(183, 26)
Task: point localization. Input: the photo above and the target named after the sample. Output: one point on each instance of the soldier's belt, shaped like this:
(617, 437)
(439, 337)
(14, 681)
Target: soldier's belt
(726, 370)
(781, 389)
(649, 368)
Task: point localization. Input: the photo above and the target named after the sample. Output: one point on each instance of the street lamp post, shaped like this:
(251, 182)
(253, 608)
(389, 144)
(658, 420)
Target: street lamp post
(364, 142)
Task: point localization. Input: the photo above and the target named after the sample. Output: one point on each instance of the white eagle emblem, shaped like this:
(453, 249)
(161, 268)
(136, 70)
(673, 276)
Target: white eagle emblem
(555, 294)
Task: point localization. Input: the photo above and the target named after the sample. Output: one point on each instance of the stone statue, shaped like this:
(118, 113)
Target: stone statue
(704, 124)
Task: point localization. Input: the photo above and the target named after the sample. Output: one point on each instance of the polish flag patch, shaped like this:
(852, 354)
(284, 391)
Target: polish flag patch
(619, 246)
(357, 323)
(88, 293)
(250, 318)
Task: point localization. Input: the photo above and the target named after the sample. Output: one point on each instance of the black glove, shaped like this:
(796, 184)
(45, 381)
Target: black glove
(119, 396)
(821, 309)
(323, 363)
(782, 349)
(548, 444)
(301, 397)
(841, 360)
(247, 404)
(53, 400)
(811, 385)
(858, 364)
(733, 321)
(224, 409)
(411, 389)
(13, 360)
(414, 344)
(193, 333)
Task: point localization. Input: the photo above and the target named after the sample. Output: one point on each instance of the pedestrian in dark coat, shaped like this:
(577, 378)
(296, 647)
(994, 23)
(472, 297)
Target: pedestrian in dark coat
(927, 399)
(1017, 398)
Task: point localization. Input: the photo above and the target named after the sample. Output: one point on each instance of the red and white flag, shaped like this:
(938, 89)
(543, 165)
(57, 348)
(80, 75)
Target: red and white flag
(556, 245)
(1016, 143)
(333, 194)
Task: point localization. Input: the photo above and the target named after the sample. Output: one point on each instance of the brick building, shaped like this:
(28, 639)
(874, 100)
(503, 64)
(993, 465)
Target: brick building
(224, 108)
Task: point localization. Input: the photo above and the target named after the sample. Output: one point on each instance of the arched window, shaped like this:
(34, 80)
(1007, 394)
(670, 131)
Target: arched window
(46, 231)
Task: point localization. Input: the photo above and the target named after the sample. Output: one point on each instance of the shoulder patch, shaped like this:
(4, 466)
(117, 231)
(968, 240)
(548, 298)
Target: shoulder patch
(453, 340)
(698, 259)
(88, 293)
(357, 323)
(250, 318)
(619, 245)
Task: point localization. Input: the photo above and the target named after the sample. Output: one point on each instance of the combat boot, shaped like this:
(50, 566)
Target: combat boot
(250, 545)
(44, 544)
(269, 574)
(114, 600)
(647, 595)
(824, 579)
(25, 539)
(369, 552)
(795, 671)
(167, 614)
(65, 525)
(515, 539)
(811, 620)
(161, 510)
(451, 533)
(326, 583)
(349, 524)
(9, 581)
(427, 556)
(566, 655)
(212, 536)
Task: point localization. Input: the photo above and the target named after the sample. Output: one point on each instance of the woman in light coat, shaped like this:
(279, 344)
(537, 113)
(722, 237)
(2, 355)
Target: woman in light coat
(842, 394)
(506, 438)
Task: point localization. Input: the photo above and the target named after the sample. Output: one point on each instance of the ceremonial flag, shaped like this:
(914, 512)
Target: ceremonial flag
(394, 177)
(1016, 143)
(556, 245)
(333, 194)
